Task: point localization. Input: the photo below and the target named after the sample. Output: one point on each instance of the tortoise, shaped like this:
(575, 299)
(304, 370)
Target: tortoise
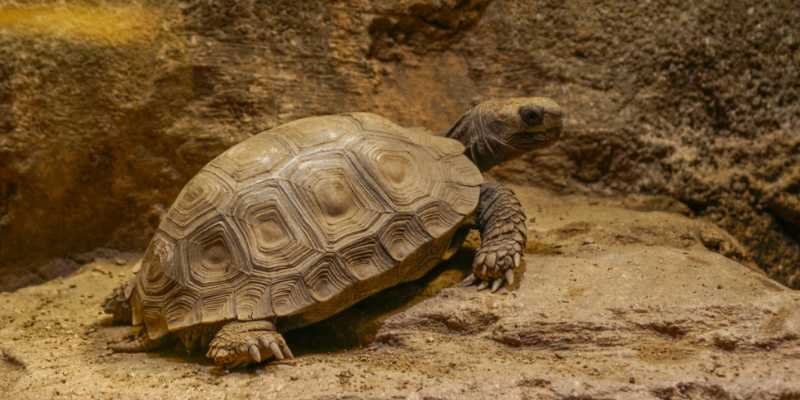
(299, 222)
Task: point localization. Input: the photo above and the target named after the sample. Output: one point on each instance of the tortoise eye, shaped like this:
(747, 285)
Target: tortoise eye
(531, 116)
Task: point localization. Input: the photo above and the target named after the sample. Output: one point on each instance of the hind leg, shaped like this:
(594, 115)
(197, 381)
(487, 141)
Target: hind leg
(241, 343)
(138, 344)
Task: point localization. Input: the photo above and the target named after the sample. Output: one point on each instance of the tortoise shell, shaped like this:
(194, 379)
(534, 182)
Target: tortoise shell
(301, 221)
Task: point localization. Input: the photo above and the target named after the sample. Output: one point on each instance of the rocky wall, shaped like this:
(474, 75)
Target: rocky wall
(107, 108)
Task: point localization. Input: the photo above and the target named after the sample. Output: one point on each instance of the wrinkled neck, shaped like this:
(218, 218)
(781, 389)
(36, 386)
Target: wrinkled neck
(481, 147)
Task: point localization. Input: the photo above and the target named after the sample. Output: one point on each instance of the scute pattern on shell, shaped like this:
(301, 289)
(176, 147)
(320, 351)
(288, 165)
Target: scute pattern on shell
(305, 219)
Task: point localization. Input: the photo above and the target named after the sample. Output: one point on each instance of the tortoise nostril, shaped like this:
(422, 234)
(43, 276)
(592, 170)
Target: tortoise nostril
(531, 116)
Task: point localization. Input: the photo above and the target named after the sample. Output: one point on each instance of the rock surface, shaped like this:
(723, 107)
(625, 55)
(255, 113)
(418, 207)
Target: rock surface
(107, 107)
(614, 304)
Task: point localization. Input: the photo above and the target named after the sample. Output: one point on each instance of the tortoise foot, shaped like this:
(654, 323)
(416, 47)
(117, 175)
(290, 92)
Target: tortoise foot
(139, 343)
(494, 264)
(239, 344)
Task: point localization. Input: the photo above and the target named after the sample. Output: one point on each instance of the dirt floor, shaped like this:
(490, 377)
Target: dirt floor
(619, 300)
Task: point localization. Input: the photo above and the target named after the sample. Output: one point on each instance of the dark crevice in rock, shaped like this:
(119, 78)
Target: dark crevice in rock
(7, 123)
(422, 27)
(786, 212)
(693, 390)
(470, 322)
(790, 229)
(696, 207)
(7, 193)
(669, 329)
(556, 335)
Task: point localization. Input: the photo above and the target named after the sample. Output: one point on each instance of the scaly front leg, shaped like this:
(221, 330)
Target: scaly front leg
(501, 221)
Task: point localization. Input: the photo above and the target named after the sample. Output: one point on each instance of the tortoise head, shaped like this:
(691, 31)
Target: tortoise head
(498, 130)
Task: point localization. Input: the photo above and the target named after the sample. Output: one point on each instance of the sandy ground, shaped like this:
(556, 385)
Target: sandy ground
(614, 303)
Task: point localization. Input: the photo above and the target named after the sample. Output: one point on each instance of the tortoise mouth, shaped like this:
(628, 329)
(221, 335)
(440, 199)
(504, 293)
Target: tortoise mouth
(536, 138)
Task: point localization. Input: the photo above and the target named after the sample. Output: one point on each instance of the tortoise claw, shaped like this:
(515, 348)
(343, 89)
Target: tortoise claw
(497, 284)
(469, 281)
(276, 351)
(483, 285)
(286, 351)
(510, 277)
(254, 353)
